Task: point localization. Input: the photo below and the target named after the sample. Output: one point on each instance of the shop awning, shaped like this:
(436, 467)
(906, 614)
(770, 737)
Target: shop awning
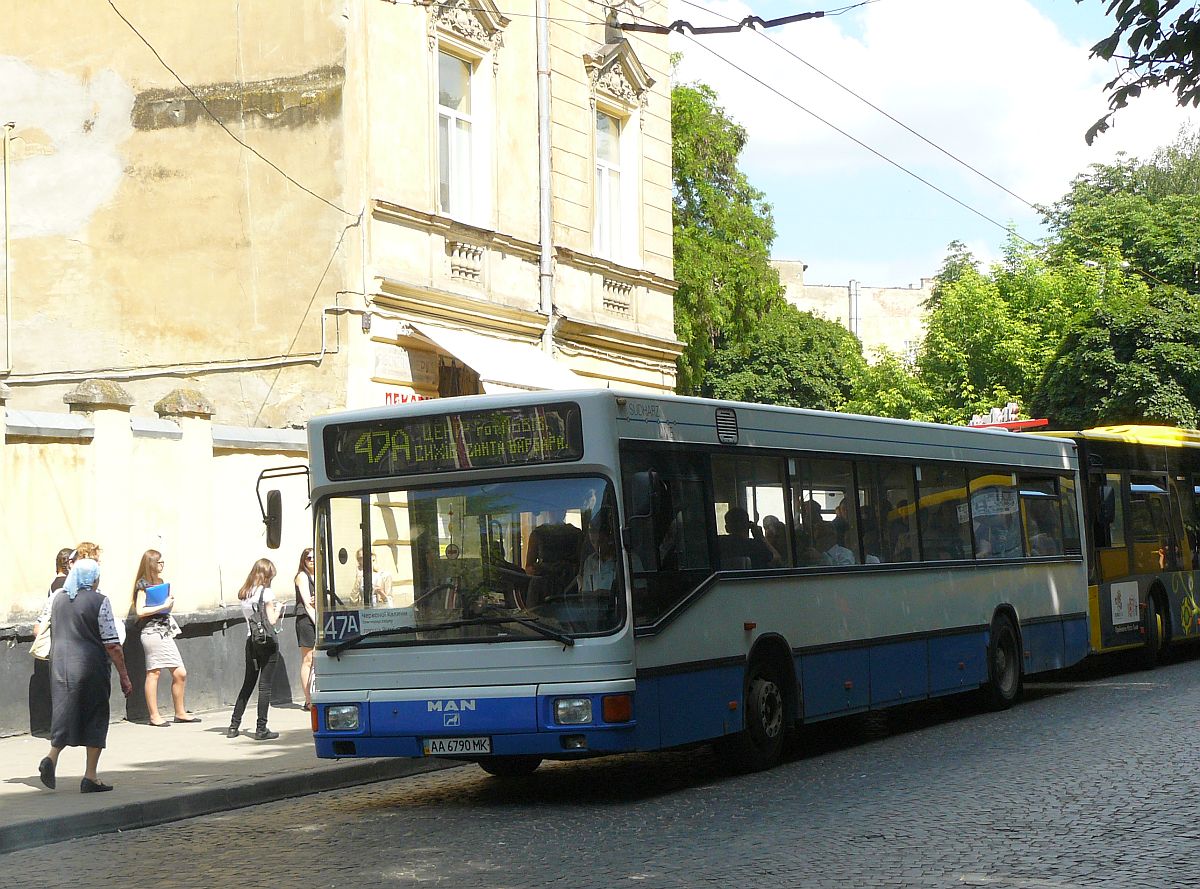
(504, 366)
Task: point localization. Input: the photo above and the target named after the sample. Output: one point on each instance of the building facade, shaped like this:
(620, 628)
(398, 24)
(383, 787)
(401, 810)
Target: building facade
(889, 317)
(288, 207)
(297, 205)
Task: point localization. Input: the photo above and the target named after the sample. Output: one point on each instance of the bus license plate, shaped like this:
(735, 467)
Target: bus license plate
(456, 746)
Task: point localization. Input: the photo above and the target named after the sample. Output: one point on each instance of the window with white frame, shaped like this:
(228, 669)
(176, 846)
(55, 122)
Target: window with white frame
(455, 161)
(608, 235)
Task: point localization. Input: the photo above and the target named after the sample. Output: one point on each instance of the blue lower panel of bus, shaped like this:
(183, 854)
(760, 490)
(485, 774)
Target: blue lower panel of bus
(513, 726)
(681, 708)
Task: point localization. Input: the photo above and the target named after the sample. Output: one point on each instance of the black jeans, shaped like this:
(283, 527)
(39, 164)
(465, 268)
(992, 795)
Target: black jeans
(260, 666)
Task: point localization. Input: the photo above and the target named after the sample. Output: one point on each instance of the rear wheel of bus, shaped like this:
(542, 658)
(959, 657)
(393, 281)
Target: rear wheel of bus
(759, 745)
(1155, 632)
(1005, 669)
(510, 766)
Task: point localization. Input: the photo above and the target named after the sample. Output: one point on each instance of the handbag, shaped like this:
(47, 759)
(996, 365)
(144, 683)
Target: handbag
(40, 648)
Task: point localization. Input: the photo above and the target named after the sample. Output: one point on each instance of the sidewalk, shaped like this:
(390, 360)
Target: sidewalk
(163, 775)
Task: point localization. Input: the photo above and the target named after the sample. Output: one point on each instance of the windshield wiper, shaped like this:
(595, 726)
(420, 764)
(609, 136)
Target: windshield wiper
(538, 627)
(528, 622)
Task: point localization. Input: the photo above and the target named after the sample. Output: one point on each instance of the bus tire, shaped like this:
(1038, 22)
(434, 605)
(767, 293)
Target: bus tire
(510, 766)
(1156, 637)
(1005, 665)
(759, 745)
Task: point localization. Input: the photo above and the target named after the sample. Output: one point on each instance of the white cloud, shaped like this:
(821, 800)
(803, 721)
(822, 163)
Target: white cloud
(992, 81)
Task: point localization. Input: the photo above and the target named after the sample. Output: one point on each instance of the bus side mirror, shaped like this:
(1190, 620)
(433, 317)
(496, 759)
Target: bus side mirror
(273, 518)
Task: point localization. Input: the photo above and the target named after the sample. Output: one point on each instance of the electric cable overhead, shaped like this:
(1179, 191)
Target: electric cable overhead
(681, 26)
(875, 107)
(860, 143)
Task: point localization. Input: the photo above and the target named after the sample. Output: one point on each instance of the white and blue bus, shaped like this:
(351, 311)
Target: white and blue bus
(513, 578)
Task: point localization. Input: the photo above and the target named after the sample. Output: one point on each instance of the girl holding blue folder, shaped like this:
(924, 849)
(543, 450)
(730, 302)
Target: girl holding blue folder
(158, 632)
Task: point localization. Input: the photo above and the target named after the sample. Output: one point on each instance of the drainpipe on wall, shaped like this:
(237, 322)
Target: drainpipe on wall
(854, 319)
(545, 205)
(8, 363)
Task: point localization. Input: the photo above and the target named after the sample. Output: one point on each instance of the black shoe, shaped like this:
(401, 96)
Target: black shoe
(46, 772)
(231, 732)
(87, 785)
(266, 735)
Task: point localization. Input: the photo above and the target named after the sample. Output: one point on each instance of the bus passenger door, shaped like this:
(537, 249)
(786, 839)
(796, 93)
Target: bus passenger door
(1108, 525)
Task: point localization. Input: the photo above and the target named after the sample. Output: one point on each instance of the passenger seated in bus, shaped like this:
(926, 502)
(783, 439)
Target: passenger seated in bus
(871, 548)
(737, 547)
(775, 536)
(552, 556)
(601, 569)
(831, 546)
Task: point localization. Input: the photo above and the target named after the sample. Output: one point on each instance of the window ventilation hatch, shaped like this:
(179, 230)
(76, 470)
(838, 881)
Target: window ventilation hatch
(727, 426)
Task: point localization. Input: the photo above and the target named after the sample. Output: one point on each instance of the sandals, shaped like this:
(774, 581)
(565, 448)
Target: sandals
(189, 719)
(164, 724)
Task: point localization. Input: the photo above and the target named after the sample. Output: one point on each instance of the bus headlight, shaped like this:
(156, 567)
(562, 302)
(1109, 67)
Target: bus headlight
(342, 718)
(573, 711)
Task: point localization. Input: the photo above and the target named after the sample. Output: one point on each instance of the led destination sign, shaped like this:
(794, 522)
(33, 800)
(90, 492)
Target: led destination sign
(514, 436)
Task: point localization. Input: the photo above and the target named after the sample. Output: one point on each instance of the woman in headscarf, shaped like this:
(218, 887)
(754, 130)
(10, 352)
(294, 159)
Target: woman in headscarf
(85, 641)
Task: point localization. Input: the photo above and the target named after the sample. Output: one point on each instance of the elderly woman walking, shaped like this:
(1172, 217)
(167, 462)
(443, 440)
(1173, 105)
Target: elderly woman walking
(85, 641)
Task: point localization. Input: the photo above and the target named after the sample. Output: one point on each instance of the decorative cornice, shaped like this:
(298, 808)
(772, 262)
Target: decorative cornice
(420, 303)
(453, 230)
(598, 266)
(608, 340)
(477, 23)
(617, 75)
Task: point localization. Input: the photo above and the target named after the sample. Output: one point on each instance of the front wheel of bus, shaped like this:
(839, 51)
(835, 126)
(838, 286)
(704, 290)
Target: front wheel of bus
(1004, 664)
(510, 766)
(759, 745)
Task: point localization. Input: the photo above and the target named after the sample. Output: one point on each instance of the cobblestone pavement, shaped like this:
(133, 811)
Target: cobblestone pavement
(1090, 781)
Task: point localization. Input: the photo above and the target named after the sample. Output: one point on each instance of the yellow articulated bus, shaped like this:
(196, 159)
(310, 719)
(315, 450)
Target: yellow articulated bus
(1142, 485)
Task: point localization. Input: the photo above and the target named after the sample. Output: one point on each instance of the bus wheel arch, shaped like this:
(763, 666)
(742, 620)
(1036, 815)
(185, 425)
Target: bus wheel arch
(770, 704)
(1005, 659)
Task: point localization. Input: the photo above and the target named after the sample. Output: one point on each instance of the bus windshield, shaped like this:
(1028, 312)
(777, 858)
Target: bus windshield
(488, 562)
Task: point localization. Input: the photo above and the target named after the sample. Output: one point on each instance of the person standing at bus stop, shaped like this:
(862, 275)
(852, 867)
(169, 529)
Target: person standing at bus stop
(306, 621)
(258, 602)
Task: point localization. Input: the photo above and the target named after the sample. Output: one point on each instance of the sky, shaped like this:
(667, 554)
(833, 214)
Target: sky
(1005, 85)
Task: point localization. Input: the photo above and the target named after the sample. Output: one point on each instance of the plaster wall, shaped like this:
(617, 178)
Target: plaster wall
(136, 218)
(889, 317)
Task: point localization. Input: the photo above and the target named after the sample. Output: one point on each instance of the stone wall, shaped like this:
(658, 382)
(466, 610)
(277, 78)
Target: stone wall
(178, 484)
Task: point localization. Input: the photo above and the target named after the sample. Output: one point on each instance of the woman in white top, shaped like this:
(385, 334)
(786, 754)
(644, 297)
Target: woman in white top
(381, 585)
(261, 658)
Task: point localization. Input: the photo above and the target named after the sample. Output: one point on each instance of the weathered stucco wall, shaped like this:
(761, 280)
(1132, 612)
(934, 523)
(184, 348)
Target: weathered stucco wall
(140, 222)
(890, 317)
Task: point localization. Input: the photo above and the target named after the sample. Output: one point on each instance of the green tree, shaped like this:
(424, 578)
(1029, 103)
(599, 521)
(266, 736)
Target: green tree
(792, 358)
(990, 336)
(890, 387)
(1146, 212)
(723, 231)
(1134, 358)
(1157, 43)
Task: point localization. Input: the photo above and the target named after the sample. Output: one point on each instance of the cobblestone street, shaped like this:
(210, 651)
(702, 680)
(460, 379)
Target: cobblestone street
(1090, 781)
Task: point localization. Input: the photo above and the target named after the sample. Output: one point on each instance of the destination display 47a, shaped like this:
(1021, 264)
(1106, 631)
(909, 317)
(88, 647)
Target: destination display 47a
(480, 439)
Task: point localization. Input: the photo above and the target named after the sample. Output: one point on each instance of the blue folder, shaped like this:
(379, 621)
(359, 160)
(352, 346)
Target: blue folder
(157, 594)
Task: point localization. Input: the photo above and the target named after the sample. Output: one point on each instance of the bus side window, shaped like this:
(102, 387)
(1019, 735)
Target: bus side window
(1041, 516)
(674, 556)
(943, 514)
(1070, 516)
(886, 506)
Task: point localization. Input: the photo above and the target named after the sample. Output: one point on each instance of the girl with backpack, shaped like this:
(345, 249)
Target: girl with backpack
(262, 651)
